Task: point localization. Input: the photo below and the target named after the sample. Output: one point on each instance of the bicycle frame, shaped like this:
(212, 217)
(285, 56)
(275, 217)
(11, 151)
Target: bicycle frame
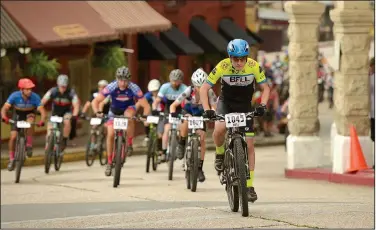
(192, 134)
(20, 154)
(231, 134)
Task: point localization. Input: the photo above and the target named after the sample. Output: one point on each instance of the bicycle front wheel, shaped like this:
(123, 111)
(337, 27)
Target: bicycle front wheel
(90, 154)
(172, 149)
(101, 153)
(195, 158)
(19, 157)
(118, 161)
(240, 168)
(48, 153)
(58, 156)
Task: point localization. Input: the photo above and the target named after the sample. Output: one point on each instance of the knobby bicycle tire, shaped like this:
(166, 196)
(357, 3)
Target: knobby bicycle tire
(174, 145)
(232, 189)
(48, 153)
(58, 157)
(239, 154)
(118, 161)
(19, 157)
(90, 158)
(155, 154)
(188, 169)
(102, 156)
(149, 154)
(195, 156)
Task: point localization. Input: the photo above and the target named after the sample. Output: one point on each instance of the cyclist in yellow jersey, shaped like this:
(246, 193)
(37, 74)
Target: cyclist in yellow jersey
(238, 75)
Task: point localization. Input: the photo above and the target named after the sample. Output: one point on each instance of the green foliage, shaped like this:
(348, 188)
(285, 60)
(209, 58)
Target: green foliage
(109, 58)
(40, 66)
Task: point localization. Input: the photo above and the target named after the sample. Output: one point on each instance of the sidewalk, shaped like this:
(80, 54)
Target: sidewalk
(75, 150)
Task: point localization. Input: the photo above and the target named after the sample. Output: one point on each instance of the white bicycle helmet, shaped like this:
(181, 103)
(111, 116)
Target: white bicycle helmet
(62, 80)
(176, 75)
(102, 83)
(154, 85)
(199, 77)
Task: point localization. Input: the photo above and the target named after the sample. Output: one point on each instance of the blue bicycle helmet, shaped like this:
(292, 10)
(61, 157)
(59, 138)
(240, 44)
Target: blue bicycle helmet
(238, 48)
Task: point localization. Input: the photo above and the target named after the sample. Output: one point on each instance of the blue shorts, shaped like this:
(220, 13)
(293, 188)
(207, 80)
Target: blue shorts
(119, 112)
(194, 111)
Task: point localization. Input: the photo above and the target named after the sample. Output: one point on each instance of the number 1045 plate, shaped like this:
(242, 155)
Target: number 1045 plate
(235, 120)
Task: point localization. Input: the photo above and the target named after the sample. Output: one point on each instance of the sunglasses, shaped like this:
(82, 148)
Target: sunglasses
(239, 59)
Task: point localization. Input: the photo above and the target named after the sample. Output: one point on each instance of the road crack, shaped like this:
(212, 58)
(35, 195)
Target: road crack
(285, 222)
(64, 186)
(269, 219)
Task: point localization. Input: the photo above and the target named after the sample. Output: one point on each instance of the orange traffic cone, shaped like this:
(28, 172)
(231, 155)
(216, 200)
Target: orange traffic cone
(357, 161)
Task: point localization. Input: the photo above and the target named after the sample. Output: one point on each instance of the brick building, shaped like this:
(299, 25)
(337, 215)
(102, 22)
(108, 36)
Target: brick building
(198, 37)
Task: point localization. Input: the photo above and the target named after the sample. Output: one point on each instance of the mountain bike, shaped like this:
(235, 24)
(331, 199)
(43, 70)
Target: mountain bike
(193, 150)
(236, 168)
(152, 154)
(53, 148)
(120, 142)
(20, 153)
(95, 145)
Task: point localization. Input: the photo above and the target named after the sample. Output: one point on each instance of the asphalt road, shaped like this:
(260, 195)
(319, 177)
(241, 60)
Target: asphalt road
(82, 197)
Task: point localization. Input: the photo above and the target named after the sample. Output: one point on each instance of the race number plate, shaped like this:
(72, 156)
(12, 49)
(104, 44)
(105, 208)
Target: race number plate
(195, 122)
(56, 119)
(152, 119)
(173, 120)
(235, 120)
(120, 123)
(23, 124)
(95, 121)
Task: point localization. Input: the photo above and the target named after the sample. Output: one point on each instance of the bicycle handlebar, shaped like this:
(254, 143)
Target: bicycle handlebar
(221, 117)
(14, 122)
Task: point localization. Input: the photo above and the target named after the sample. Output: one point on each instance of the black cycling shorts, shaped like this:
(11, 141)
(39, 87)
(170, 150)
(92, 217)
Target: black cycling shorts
(227, 107)
(21, 116)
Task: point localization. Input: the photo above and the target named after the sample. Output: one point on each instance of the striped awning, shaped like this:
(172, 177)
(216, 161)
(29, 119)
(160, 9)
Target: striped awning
(129, 17)
(59, 23)
(11, 35)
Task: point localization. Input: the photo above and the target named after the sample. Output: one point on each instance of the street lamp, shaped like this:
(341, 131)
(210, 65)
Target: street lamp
(24, 50)
(3, 52)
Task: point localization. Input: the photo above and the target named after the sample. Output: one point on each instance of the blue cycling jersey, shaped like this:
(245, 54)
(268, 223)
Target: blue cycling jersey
(18, 102)
(169, 94)
(149, 97)
(122, 99)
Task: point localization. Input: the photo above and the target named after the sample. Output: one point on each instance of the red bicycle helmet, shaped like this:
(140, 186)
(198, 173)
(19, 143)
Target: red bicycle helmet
(25, 83)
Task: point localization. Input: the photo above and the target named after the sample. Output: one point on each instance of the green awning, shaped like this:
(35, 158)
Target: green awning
(11, 35)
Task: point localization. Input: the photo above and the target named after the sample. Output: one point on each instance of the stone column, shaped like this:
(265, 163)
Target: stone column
(352, 24)
(304, 147)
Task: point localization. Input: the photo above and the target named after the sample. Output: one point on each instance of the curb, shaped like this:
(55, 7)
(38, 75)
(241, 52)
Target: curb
(80, 155)
(363, 178)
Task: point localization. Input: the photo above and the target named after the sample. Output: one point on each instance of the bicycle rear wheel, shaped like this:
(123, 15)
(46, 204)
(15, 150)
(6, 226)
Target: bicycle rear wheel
(19, 157)
(240, 161)
(118, 161)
